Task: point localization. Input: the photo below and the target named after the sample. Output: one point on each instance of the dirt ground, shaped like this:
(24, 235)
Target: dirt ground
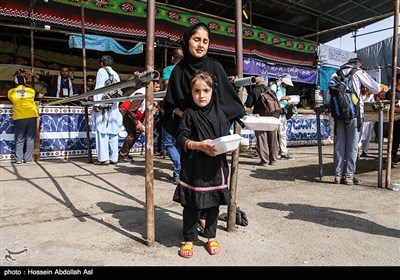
(72, 213)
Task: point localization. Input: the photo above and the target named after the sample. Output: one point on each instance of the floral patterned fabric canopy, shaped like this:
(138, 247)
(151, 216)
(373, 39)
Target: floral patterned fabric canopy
(128, 19)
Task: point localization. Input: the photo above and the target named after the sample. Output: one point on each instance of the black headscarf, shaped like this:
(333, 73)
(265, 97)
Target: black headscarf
(209, 122)
(178, 92)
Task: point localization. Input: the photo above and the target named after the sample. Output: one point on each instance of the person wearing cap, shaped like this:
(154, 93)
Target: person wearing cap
(280, 90)
(25, 116)
(348, 132)
(262, 99)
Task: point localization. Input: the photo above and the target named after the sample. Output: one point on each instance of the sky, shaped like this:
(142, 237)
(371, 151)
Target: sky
(347, 42)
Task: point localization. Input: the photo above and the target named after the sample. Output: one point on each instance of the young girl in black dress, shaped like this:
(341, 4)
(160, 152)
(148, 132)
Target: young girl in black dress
(203, 183)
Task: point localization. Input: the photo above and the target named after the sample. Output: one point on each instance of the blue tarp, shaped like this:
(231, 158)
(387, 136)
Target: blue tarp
(379, 56)
(325, 73)
(100, 43)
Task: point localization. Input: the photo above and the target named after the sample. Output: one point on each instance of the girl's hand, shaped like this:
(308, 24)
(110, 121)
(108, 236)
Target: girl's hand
(207, 148)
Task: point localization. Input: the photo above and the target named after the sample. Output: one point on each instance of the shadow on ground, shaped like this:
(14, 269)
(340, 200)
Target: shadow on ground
(133, 219)
(331, 217)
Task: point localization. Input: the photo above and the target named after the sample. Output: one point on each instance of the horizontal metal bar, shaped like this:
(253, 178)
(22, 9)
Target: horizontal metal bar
(159, 94)
(241, 82)
(127, 87)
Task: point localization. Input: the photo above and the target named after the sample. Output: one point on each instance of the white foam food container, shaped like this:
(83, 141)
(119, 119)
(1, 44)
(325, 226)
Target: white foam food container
(294, 99)
(226, 143)
(261, 123)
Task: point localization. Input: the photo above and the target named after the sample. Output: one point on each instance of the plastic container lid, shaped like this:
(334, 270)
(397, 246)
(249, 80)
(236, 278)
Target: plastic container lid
(261, 123)
(226, 143)
(396, 186)
(294, 99)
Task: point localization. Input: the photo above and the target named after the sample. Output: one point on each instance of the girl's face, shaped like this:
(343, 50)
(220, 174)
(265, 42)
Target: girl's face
(201, 93)
(198, 43)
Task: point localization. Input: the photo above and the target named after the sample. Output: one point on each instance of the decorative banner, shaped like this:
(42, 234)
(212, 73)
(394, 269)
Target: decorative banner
(301, 131)
(128, 18)
(253, 66)
(333, 56)
(100, 43)
(62, 133)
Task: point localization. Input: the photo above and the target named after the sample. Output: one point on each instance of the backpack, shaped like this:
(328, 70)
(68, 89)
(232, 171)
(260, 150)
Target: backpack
(344, 103)
(112, 94)
(271, 103)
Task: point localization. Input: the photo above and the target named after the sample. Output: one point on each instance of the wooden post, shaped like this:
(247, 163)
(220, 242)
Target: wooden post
(393, 96)
(235, 155)
(149, 153)
(36, 147)
(89, 150)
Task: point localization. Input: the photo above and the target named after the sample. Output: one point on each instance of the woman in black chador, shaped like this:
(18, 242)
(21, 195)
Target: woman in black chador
(195, 43)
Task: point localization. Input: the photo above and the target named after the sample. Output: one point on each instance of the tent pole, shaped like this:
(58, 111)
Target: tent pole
(393, 95)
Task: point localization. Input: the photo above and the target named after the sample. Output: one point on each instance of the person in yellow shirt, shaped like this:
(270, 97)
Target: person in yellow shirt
(25, 115)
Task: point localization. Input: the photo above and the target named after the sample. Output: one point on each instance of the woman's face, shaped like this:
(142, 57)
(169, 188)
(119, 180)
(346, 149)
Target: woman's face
(201, 93)
(198, 43)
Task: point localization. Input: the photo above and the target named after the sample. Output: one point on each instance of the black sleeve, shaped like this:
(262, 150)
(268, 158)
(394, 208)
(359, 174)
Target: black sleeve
(46, 79)
(229, 100)
(184, 131)
(250, 100)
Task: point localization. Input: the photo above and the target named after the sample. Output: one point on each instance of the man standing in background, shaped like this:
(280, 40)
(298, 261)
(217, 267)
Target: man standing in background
(133, 115)
(25, 116)
(58, 85)
(347, 132)
(280, 90)
(90, 84)
(169, 141)
(107, 118)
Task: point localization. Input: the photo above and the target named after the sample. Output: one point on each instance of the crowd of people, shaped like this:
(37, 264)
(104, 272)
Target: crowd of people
(200, 105)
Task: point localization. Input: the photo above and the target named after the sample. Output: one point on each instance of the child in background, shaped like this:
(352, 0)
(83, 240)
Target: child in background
(204, 175)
